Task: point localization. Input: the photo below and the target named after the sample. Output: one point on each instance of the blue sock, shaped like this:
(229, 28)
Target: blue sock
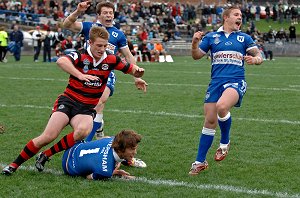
(206, 140)
(225, 125)
(96, 125)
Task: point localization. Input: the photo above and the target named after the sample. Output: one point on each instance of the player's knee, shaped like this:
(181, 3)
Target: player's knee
(81, 132)
(222, 109)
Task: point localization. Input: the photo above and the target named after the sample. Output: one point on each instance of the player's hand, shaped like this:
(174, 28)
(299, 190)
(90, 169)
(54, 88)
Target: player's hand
(198, 36)
(88, 78)
(83, 6)
(141, 84)
(123, 174)
(139, 72)
(250, 60)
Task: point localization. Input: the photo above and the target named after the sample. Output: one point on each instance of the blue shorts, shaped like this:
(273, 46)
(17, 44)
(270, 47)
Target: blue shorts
(216, 88)
(111, 81)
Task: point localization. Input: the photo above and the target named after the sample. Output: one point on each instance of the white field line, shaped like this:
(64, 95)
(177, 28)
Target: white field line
(160, 84)
(175, 183)
(162, 113)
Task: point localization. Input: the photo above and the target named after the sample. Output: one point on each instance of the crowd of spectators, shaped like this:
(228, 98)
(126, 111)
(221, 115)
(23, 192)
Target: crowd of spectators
(158, 21)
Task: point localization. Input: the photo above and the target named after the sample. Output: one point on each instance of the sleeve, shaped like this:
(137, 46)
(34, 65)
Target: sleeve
(204, 44)
(250, 44)
(122, 43)
(85, 29)
(123, 65)
(74, 57)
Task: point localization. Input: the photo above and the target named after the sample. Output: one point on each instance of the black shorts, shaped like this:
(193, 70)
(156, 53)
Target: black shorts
(72, 108)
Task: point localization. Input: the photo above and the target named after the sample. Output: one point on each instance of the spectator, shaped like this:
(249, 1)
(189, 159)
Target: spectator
(153, 51)
(145, 51)
(17, 36)
(161, 50)
(79, 45)
(3, 44)
(58, 37)
(292, 34)
(47, 46)
(67, 43)
(37, 43)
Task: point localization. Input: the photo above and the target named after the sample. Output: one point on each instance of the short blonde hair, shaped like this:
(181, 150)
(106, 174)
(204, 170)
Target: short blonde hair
(98, 32)
(228, 10)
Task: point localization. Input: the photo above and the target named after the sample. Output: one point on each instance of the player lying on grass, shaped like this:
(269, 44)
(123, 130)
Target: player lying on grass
(100, 159)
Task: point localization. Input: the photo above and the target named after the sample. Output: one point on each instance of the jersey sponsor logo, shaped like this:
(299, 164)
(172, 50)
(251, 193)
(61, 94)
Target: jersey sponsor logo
(73, 55)
(228, 43)
(93, 84)
(105, 151)
(111, 48)
(114, 34)
(227, 57)
(240, 38)
(105, 67)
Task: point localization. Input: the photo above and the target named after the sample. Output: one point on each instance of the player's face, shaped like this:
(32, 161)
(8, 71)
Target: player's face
(106, 16)
(98, 47)
(234, 21)
(129, 153)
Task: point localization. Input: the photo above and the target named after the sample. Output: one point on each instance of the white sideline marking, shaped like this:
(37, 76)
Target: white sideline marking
(174, 183)
(162, 113)
(160, 84)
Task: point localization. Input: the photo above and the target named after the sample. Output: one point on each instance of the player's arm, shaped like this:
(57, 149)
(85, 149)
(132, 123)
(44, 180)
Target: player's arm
(71, 22)
(137, 71)
(254, 56)
(66, 65)
(139, 83)
(196, 52)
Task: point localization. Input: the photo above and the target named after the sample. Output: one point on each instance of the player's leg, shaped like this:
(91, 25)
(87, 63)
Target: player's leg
(206, 138)
(231, 96)
(98, 120)
(81, 125)
(56, 123)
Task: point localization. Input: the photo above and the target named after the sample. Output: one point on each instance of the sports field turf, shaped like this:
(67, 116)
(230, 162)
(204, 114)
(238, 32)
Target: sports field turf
(264, 160)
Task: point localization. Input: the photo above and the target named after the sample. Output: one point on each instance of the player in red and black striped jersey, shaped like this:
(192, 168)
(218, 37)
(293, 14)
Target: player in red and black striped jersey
(88, 78)
(89, 92)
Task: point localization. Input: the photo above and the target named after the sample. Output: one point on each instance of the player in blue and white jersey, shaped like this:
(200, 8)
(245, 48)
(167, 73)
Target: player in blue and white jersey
(229, 49)
(100, 159)
(117, 42)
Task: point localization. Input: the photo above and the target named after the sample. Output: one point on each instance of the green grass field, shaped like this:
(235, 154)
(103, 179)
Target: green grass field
(263, 161)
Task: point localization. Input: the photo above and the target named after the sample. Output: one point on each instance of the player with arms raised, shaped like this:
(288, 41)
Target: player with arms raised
(229, 49)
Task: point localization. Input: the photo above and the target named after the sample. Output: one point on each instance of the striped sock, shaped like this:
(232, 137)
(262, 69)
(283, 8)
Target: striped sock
(28, 152)
(66, 142)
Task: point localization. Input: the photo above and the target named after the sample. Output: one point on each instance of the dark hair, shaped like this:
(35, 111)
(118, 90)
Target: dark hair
(104, 4)
(126, 139)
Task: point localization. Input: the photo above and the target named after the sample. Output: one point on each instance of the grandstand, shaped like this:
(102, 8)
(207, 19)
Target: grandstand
(28, 21)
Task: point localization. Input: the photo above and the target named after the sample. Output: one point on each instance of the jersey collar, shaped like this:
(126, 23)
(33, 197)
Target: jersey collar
(221, 29)
(117, 158)
(94, 60)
